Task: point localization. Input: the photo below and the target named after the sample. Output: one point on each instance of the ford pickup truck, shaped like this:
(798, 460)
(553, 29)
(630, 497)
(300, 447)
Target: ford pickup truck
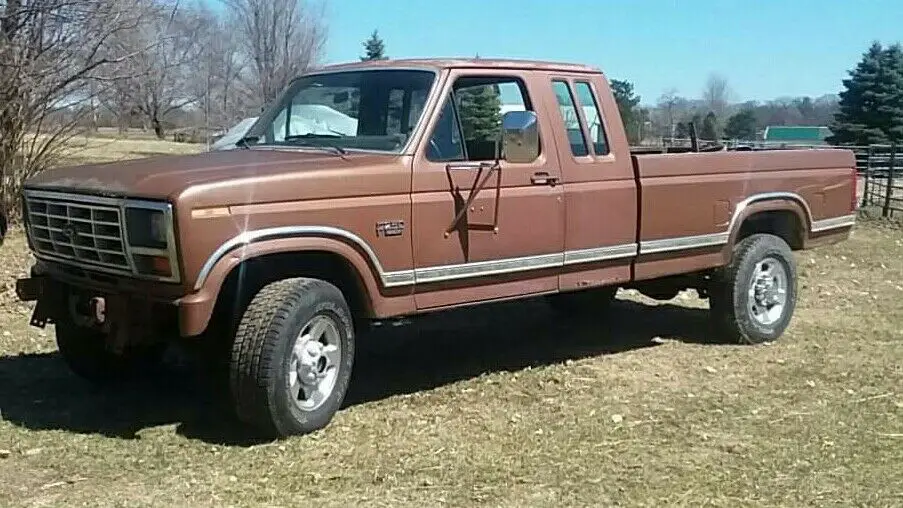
(377, 191)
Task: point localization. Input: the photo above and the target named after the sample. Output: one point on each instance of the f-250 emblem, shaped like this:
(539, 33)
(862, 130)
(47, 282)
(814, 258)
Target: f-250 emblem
(390, 228)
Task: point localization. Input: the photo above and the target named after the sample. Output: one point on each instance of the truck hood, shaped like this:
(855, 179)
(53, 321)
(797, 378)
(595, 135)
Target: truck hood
(166, 177)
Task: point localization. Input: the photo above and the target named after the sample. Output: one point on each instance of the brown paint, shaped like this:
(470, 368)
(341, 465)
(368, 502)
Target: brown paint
(600, 200)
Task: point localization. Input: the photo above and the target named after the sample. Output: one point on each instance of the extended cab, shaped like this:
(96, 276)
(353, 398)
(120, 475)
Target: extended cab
(380, 190)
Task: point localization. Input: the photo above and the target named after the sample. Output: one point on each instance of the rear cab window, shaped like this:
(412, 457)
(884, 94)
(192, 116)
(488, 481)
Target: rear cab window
(571, 120)
(593, 117)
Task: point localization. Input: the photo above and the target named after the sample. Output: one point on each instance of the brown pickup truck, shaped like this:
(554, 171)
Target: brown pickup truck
(380, 190)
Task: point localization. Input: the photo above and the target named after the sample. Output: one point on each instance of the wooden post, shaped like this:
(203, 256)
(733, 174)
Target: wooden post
(868, 176)
(890, 180)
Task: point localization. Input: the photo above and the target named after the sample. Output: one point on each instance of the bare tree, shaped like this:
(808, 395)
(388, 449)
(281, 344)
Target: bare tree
(54, 55)
(168, 52)
(667, 104)
(282, 39)
(716, 94)
(226, 97)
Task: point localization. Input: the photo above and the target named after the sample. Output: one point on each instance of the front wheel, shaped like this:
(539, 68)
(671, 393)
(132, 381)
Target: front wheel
(88, 355)
(292, 357)
(753, 299)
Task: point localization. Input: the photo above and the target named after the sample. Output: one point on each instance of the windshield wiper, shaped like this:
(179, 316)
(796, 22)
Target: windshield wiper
(310, 135)
(335, 149)
(246, 141)
(304, 137)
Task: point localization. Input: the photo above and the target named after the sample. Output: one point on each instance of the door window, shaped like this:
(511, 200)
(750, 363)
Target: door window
(469, 125)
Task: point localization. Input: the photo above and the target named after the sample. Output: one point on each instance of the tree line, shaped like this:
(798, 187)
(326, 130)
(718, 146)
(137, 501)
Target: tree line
(868, 110)
(67, 66)
(71, 65)
(714, 113)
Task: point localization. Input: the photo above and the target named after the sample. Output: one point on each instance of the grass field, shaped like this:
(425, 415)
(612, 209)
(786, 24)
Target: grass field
(506, 405)
(82, 150)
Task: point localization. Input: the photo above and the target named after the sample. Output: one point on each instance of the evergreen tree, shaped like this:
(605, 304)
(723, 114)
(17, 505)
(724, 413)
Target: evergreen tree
(742, 125)
(628, 104)
(480, 107)
(681, 131)
(709, 131)
(374, 48)
(871, 106)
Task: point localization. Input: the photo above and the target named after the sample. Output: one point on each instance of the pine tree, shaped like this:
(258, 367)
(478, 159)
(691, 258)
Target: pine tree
(871, 106)
(479, 107)
(742, 125)
(627, 103)
(709, 131)
(374, 48)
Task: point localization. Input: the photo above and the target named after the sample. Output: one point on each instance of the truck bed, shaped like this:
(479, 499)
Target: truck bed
(691, 200)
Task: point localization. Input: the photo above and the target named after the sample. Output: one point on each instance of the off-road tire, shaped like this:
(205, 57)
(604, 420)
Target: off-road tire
(583, 302)
(261, 352)
(729, 294)
(86, 353)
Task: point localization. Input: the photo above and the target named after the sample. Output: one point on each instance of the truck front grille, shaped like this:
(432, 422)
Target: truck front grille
(85, 232)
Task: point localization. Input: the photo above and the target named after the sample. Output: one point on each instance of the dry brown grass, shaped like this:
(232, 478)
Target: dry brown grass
(82, 150)
(507, 406)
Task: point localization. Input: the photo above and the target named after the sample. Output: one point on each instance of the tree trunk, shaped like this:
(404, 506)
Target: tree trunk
(158, 128)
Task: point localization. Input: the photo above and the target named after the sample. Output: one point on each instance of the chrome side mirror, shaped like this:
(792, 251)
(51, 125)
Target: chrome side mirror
(520, 136)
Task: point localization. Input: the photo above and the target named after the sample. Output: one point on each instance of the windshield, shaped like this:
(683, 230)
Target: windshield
(352, 110)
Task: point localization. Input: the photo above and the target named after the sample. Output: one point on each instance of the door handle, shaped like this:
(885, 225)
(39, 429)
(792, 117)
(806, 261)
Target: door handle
(543, 178)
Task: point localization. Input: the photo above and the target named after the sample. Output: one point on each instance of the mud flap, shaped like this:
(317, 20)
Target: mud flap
(29, 289)
(48, 297)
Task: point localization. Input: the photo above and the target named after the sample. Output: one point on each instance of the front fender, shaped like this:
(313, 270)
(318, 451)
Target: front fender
(196, 309)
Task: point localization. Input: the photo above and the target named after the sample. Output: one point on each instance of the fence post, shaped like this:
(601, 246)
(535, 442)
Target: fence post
(890, 181)
(868, 177)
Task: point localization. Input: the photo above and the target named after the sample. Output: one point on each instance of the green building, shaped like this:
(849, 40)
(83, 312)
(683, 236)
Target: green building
(796, 134)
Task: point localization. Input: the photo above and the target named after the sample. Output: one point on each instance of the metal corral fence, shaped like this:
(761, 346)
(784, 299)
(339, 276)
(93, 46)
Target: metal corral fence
(883, 185)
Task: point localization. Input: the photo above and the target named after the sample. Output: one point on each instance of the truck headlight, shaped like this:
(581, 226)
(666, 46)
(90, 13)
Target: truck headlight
(150, 235)
(147, 228)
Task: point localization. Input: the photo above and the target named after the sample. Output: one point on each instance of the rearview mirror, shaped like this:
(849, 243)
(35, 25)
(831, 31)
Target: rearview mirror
(520, 136)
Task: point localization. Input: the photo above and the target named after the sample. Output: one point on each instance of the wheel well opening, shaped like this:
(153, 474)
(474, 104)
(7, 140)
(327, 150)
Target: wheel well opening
(782, 223)
(246, 279)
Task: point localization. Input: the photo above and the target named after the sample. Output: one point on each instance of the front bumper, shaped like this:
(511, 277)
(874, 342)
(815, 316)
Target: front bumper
(137, 306)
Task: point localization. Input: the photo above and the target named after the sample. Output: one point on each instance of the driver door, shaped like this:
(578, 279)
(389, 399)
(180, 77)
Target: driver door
(509, 239)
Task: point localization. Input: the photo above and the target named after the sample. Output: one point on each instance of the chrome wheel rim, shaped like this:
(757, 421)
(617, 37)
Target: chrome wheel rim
(768, 291)
(315, 361)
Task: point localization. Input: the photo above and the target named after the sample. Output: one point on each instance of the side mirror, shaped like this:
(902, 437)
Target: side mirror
(520, 136)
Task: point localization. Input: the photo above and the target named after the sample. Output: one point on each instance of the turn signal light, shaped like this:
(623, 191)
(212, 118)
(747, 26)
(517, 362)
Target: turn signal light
(153, 265)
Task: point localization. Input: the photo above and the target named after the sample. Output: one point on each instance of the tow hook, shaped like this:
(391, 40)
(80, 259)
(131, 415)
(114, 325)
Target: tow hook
(98, 306)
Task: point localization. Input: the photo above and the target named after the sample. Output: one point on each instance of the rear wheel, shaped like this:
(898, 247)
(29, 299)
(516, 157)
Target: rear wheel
(754, 298)
(292, 357)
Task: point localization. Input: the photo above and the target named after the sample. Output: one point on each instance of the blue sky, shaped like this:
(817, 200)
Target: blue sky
(765, 48)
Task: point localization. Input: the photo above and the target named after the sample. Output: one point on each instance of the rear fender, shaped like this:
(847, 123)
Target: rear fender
(747, 209)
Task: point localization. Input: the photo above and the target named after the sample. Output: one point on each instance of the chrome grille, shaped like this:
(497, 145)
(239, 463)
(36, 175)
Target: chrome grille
(85, 232)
